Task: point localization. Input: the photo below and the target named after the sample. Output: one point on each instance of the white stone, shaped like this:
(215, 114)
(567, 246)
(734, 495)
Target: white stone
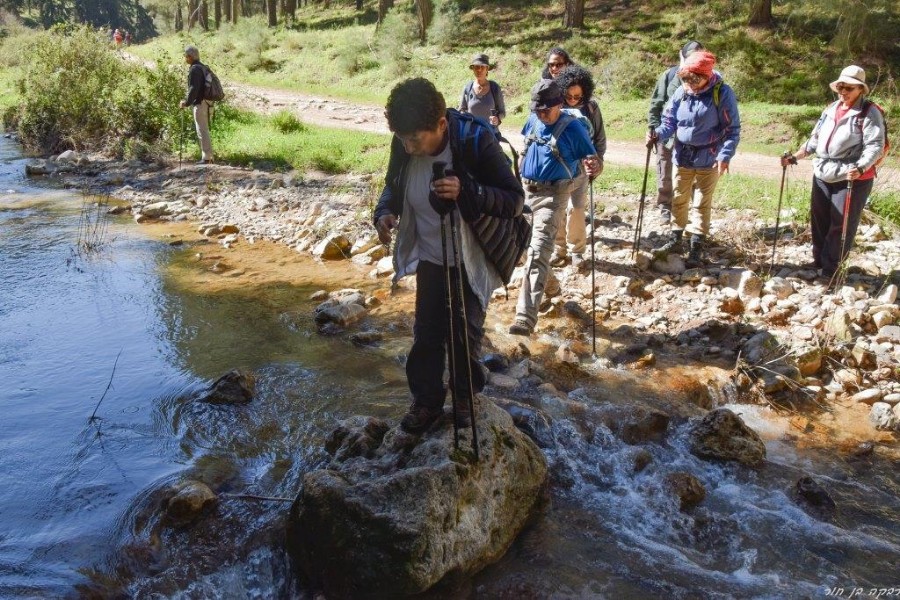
(870, 396)
(750, 286)
(889, 295)
(892, 398)
(882, 416)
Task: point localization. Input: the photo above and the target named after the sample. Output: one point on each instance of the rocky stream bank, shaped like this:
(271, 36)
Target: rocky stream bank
(826, 357)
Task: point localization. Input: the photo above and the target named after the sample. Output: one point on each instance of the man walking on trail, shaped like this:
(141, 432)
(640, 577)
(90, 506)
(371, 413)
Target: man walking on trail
(195, 98)
(666, 85)
(555, 143)
(482, 194)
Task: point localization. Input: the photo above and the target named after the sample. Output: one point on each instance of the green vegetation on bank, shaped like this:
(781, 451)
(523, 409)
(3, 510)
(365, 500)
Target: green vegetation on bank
(282, 143)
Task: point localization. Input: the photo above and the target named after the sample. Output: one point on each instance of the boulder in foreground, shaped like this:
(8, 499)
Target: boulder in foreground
(393, 514)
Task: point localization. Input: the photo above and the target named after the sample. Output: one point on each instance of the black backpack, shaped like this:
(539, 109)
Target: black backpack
(213, 87)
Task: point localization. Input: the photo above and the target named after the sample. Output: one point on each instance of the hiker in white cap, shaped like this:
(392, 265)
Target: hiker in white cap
(848, 142)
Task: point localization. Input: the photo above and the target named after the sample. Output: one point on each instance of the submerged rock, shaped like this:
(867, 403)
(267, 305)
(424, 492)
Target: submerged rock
(418, 511)
(813, 499)
(234, 387)
(189, 501)
(687, 488)
(722, 435)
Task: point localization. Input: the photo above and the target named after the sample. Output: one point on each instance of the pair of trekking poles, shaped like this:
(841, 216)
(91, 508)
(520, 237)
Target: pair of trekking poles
(848, 199)
(792, 160)
(456, 309)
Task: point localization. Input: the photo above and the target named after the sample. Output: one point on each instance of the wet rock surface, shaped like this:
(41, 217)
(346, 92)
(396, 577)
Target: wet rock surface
(418, 511)
(722, 435)
(234, 387)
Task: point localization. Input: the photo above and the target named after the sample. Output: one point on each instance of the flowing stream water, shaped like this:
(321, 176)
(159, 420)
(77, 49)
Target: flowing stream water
(122, 323)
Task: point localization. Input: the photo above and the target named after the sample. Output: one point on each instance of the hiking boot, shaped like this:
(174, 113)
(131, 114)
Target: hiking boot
(420, 418)
(577, 262)
(665, 213)
(673, 246)
(521, 327)
(558, 260)
(695, 257)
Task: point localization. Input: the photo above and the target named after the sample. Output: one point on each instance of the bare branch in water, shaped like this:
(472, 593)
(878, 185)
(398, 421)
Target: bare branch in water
(252, 497)
(108, 385)
(93, 223)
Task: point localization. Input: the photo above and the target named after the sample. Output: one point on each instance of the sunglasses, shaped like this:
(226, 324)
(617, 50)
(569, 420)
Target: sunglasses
(543, 111)
(478, 67)
(843, 87)
(693, 79)
(574, 98)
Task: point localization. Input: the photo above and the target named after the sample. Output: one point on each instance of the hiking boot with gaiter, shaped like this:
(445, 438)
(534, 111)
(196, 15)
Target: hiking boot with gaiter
(673, 246)
(695, 257)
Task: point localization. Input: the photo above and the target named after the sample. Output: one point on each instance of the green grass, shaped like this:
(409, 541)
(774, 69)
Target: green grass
(247, 139)
(9, 93)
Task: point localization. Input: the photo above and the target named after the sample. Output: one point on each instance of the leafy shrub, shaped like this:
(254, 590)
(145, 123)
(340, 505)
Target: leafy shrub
(395, 38)
(286, 122)
(445, 29)
(77, 94)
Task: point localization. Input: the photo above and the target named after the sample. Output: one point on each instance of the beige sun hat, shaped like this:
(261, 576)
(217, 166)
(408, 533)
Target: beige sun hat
(854, 76)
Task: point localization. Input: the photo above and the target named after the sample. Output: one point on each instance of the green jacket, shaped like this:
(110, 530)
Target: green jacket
(666, 85)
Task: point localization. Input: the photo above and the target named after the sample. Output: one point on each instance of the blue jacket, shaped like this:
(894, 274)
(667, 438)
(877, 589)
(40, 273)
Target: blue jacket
(705, 131)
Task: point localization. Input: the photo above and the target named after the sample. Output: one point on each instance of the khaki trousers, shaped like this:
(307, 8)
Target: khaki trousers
(201, 122)
(691, 212)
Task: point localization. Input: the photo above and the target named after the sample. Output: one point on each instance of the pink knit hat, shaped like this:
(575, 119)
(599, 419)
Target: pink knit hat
(700, 62)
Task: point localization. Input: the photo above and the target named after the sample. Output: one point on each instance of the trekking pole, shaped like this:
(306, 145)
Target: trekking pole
(456, 240)
(640, 217)
(442, 208)
(778, 214)
(181, 138)
(593, 268)
(844, 255)
(451, 339)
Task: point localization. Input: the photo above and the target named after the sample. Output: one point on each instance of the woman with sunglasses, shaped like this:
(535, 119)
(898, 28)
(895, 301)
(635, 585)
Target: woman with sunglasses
(557, 60)
(482, 97)
(848, 142)
(578, 90)
(703, 117)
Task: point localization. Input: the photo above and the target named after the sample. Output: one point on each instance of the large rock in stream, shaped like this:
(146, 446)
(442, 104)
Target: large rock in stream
(722, 435)
(391, 517)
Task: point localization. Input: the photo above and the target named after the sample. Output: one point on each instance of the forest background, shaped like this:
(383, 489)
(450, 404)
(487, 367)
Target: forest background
(61, 86)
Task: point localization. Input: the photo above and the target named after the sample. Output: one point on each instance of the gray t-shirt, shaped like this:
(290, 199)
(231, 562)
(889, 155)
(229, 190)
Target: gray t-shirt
(481, 106)
(428, 222)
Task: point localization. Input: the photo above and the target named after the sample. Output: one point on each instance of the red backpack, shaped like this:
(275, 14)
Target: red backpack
(868, 104)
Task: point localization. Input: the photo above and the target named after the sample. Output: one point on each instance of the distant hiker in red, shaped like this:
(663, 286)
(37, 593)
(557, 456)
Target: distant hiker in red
(117, 37)
(848, 141)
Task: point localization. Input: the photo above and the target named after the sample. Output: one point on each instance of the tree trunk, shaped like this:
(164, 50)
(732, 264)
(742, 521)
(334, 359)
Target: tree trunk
(235, 10)
(226, 11)
(270, 11)
(574, 15)
(204, 15)
(290, 9)
(179, 20)
(383, 7)
(193, 13)
(761, 13)
(217, 12)
(425, 11)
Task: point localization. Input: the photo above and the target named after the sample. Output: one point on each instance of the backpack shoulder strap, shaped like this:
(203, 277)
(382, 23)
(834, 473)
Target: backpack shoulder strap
(717, 93)
(565, 119)
(495, 89)
(469, 87)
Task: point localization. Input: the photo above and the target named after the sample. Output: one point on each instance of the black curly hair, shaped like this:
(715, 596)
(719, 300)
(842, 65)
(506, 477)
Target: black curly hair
(414, 105)
(576, 75)
(557, 50)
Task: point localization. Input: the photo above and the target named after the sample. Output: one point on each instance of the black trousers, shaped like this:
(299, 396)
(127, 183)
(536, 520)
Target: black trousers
(827, 220)
(425, 364)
